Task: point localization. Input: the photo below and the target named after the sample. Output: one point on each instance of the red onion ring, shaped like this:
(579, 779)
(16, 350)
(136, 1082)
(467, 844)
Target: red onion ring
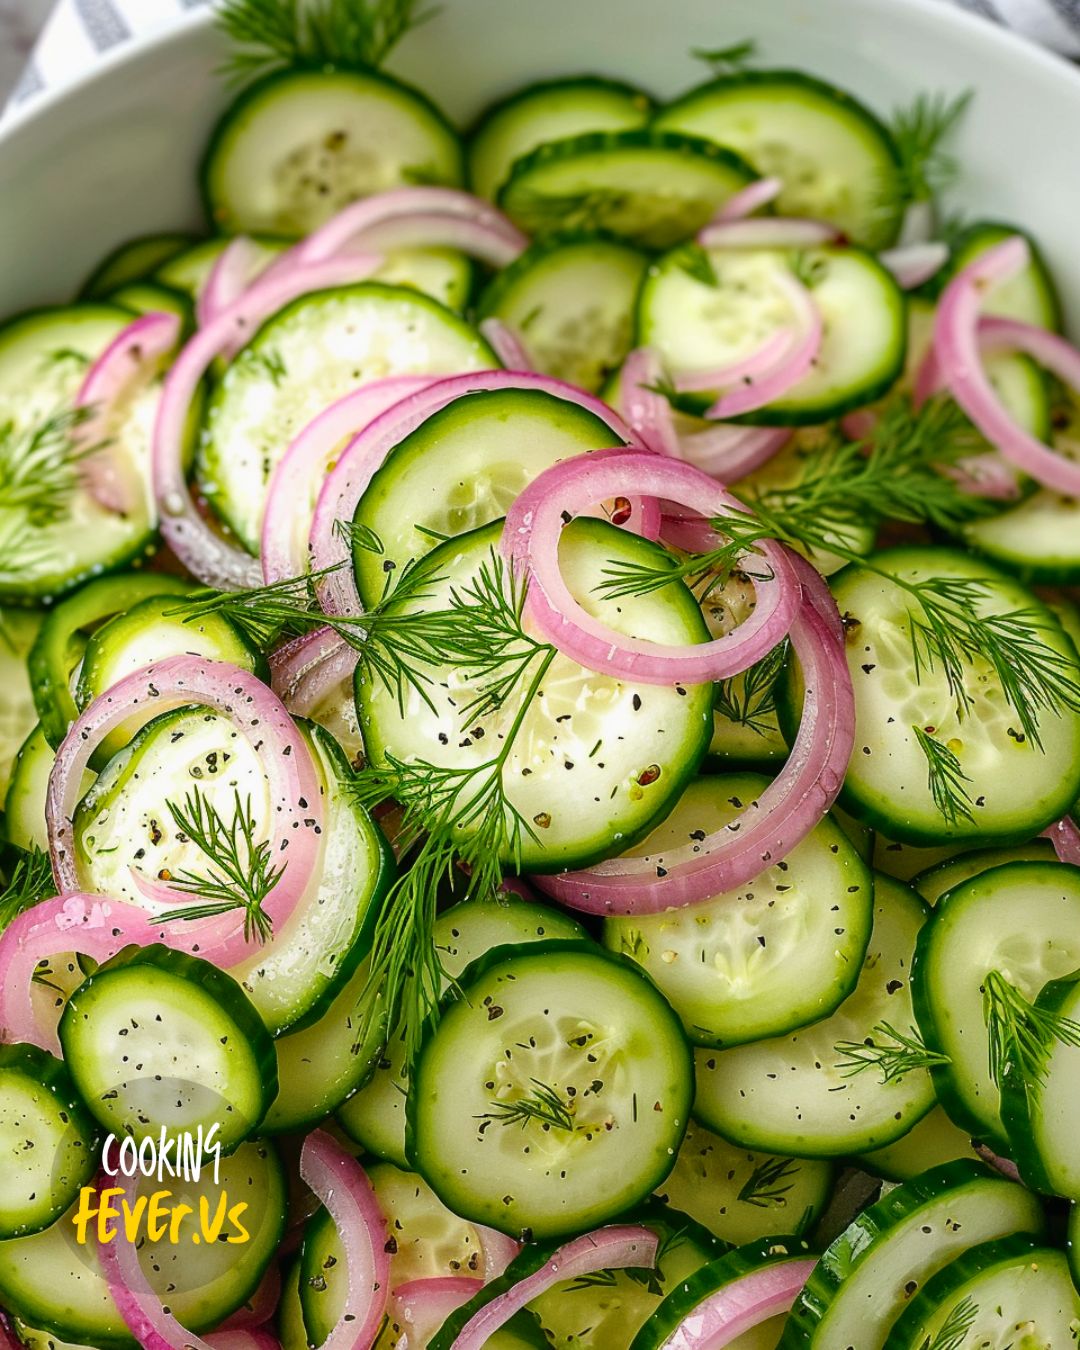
(505, 343)
(648, 412)
(1064, 834)
(296, 799)
(764, 361)
(259, 1308)
(767, 232)
(130, 359)
(205, 553)
(305, 671)
(342, 1185)
(422, 1306)
(299, 474)
(531, 541)
(750, 199)
(604, 1249)
(729, 453)
(498, 1249)
(238, 265)
(1005, 1166)
(789, 808)
(356, 467)
(739, 1307)
(959, 337)
(912, 264)
(243, 1338)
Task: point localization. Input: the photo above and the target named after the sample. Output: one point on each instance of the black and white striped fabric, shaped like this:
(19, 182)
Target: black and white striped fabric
(79, 30)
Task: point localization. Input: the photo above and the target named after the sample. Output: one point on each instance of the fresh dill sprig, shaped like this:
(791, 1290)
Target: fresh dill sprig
(31, 880)
(541, 1104)
(749, 699)
(239, 875)
(39, 472)
(275, 34)
(769, 1182)
(1021, 1034)
(920, 132)
(722, 60)
(894, 1054)
(945, 777)
(956, 1328)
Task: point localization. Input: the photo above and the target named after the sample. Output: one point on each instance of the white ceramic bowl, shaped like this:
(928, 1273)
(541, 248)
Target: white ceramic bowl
(115, 155)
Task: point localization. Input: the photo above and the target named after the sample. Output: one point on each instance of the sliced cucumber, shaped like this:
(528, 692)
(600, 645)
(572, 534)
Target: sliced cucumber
(462, 469)
(313, 352)
(795, 1094)
(935, 881)
(1013, 789)
(24, 806)
(742, 1196)
(782, 951)
(375, 1116)
(835, 158)
(47, 1140)
(135, 260)
(150, 297)
(441, 273)
(571, 301)
(583, 1029)
(1030, 297)
(298, 146)
(187, 272)
(697, 324)
(1014, 1292)
(906, 861)
(933, 1141)
(662, 1331)
(596, 761)
(877, 1266)
(56, 1284)
(1022, 919)
(19, 629)
(550, 111)
(157, 1039)
(653, 188)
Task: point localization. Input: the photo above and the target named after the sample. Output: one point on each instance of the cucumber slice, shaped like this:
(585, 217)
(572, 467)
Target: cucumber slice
(24, 806)
(156, 1039)
(608, 1308)
(148, 297)
(326, 344)
(61, 642)
(19, 630)
(795, 1094)
(746, 727)
(876, 1267)
(1015, 790)
(299, 145)
(460, 470)
(441, 273)
(54, 1283)
(1040, 1112)
(698, 325)
(1014, 1292)
(1030, 297)
(935, 881)
(596, 761)
(1022, 919)
(550, 111)
(741, 1196)
(835, 158)
(187, 272)
(652, 188)
(375, 1116)
(135, 260)
(571, 301)
(906, 861)
(661, 1332)
(601, 1042)
(933, 1141)
(290, 1315)
(782, 951)
(126, 824)
(47, 1141)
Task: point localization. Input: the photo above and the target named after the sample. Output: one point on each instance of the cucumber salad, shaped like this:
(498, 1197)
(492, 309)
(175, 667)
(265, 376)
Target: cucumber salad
(540, 731)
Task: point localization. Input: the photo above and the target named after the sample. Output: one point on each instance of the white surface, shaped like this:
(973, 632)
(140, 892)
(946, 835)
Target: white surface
(115, 154)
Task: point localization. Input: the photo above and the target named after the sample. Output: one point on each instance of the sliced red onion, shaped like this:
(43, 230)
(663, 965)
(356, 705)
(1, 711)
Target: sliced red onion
(498, 1249)
(739, 1307)
(358, 463)
(775, 381)
(764, 361)
(8, 1339)
(912, 264)
(767, 232)
(648, 412)
(919, 224)
(260, 1307)
(133, 357)
(1064, 834)
(207, 554)
(531, 540)
(307, 670)
(505, 343)
(611, 1248)
(342, 1185)
(238, 265)
(243, 1338)
(961, 338)
(296, 801)
(749, 200)
(434, 229)
(789, 808)
(860, 425)
(1005, 1166)
(729, 453)
(422, 1306)
(299, 475)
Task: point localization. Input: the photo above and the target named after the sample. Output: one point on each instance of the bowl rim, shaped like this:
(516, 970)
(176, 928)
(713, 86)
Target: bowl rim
(941, 13)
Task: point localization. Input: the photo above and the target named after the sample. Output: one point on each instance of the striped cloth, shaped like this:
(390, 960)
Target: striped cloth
(79, 29)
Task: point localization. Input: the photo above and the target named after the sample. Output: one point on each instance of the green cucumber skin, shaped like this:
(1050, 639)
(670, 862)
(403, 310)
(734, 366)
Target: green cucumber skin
(597, 83)
(993, 231)
(134, 260)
